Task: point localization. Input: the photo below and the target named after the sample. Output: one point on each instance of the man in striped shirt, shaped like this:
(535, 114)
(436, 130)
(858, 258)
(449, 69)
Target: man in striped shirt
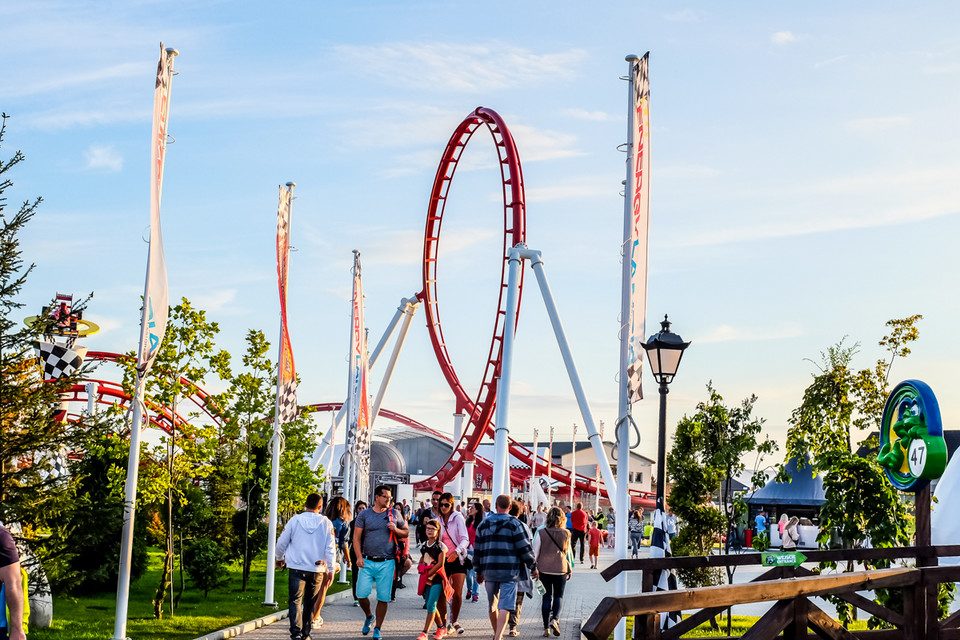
(501, 551)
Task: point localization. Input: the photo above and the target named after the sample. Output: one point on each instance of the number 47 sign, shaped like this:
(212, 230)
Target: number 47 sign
(912, 448)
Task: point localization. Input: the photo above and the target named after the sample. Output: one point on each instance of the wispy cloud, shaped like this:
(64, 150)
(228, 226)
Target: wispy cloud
(573, 190)
(71, 80)
(214, 301)
(830, 61)
(103, 158)
(727, 333)
(880, 124)
(446, 67)
(684, 15)
(583, 114)
(783, 37)
(543, 144)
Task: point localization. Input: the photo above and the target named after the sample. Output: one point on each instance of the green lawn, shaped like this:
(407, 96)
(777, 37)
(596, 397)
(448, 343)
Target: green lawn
(739, 626)
(91, 617)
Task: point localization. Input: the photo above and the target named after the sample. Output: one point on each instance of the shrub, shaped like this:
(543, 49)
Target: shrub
(205, 563)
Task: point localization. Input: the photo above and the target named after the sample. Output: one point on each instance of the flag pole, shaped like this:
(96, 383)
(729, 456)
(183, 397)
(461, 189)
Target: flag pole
(628, 318)
(276, 442)
(153, 325)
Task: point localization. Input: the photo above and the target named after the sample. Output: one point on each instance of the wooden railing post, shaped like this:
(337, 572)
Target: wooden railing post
(797, 629)
(646, 626)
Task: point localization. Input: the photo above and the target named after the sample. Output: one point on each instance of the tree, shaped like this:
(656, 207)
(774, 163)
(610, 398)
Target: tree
(860, 503)
(30, 433)
(708, 448)
(186, 356)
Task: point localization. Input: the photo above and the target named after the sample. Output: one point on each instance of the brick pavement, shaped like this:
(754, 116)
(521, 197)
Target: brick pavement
(405, 617)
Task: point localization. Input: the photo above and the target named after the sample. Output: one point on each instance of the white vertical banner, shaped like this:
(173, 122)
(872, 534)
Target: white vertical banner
(357, 433)
(153, 320)
(153, 325)
(638, 195)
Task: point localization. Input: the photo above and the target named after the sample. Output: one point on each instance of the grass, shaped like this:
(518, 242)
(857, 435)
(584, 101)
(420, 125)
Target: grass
(91, 617)
(739, 626)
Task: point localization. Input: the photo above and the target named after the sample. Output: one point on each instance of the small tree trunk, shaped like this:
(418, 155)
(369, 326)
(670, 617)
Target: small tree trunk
(162, 588)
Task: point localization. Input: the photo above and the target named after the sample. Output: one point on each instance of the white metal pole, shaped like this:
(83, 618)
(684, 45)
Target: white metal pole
(573, 465)
(501, 463)
(91, 397)
(410, 308)
(276, 449)
(129, 514)
(623, 419)
(550, 471)
(592, 433)
(457, 433)
(468, 479)
(533, 463)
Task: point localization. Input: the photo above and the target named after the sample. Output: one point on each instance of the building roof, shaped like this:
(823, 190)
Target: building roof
(806, 489)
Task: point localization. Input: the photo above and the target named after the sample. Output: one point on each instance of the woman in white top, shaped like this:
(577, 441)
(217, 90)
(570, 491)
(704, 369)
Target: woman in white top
(457, 541)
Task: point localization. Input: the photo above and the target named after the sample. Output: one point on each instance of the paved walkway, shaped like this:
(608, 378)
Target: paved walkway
(405, 617)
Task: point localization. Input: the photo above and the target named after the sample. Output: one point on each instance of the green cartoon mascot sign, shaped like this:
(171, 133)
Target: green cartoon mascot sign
(912, 449)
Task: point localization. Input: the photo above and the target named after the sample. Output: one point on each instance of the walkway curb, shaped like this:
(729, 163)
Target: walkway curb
(270, 618)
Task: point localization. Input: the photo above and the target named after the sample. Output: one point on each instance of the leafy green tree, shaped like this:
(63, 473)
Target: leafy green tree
(186, 357)
(860, 503)
(205, 562)
(30, 433)
(708, 448)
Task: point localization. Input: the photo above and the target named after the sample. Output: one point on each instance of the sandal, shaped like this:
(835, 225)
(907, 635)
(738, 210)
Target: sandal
(458, 628)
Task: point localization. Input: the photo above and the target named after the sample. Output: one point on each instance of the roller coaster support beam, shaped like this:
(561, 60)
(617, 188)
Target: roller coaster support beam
(325, 449)
(500, 462)
(408, 308)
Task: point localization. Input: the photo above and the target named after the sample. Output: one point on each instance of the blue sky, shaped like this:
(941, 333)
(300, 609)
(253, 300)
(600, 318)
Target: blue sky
(804, 181)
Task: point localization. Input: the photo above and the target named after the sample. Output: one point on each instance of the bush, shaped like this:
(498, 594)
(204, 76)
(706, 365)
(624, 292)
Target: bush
(761, 542)
(205, 563)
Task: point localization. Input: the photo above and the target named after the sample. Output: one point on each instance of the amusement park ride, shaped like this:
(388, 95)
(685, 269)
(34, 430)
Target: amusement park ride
(477, 411)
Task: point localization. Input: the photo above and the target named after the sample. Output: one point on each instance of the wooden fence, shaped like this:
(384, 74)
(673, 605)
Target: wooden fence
(791, 589)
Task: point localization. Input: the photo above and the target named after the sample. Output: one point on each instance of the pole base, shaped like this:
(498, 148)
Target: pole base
(270, 604)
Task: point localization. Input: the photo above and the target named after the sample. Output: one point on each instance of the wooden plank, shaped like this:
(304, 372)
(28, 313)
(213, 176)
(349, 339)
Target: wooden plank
(825, 626)
(646, 627)
(724, 596)
(951, 622)
(603, 620)
(911, 624)
(772, 622)
(860, 602)
(698, 618)
(797, 629)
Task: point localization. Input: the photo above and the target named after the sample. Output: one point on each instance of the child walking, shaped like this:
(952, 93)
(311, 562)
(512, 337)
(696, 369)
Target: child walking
(595, 537)
(433, 579)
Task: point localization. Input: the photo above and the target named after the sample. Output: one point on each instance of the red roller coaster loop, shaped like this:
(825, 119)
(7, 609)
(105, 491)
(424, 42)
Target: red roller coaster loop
(480, 411)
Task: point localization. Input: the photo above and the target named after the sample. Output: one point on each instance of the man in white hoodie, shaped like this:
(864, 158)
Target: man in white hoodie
(308, 549)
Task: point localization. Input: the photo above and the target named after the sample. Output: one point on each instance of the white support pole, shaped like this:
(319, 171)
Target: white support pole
(550, 471)
(622, 505)
(129, 515)
(573, 465)
(501, 462)
(457, 433)
(533, 464)
(468, 468)
(592, 433)
(91, 397)
(409, 309)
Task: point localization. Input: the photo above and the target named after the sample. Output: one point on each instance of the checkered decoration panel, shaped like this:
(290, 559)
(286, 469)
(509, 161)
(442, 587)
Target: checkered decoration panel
(56, 359)
(660, 548)
(287, 402)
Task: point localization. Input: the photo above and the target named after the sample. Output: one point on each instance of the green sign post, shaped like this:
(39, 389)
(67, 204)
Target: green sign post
(782, 558)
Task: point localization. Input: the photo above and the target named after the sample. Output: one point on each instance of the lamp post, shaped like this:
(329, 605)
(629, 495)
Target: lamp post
(664, 351)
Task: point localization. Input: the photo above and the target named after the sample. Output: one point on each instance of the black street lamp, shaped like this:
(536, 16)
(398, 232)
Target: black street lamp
(664, 351)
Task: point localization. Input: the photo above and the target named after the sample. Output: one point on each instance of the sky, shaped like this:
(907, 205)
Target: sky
(804, 183)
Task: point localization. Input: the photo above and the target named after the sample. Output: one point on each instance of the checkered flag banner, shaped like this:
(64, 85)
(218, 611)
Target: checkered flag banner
(287, 403)
(57, 360)
(58, 466)
(287, 375)
(660, 548)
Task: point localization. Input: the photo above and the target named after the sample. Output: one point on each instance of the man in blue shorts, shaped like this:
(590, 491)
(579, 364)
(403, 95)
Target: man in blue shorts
(500, 552)
(375, 536)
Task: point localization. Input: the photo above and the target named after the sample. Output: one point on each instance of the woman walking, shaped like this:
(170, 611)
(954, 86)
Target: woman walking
(635, 524)
(456, 539)
(554, 557)
(357, 508)
(474, 518)
(791, 534)
(338, 512)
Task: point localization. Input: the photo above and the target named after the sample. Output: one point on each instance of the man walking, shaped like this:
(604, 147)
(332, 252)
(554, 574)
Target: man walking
(578, 522)
(12, 581)
(375, 541)
(308, 548)
(501, 550)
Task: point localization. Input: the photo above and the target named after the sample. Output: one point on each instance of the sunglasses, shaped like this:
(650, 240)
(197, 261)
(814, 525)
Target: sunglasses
(449, 505)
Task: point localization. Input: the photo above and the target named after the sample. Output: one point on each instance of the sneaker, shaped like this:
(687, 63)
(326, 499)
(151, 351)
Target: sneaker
(546, 633)
(376, 634)
(366, 625)
(441, 632)
(476, 597)
(318, 622)
(356, 603)
(555, 627)
(422, 636)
